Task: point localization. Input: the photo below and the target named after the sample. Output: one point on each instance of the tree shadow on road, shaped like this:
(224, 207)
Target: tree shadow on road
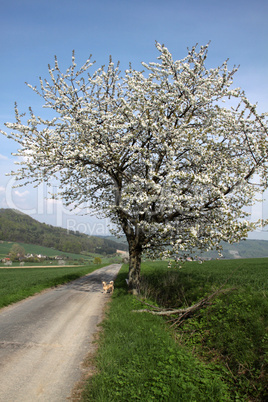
(89, 283)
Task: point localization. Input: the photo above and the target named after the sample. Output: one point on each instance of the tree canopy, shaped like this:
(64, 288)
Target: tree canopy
(16, 252)
(157, 151)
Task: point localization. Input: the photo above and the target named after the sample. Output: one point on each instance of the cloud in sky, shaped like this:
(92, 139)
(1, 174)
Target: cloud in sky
(21, 194)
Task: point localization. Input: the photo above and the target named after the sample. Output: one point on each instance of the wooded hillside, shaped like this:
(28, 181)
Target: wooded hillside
(18, 227)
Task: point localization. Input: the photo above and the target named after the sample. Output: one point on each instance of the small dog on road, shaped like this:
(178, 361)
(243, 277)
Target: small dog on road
(108, 287)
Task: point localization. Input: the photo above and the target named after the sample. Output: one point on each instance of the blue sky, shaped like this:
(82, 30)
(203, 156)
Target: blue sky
(33, 31)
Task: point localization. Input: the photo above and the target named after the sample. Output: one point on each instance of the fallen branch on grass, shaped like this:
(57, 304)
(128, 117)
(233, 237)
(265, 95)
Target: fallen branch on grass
(188, 311)
(182, 312)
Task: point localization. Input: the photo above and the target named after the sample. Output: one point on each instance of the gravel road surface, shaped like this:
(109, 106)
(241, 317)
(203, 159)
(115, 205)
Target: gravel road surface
(45, 338)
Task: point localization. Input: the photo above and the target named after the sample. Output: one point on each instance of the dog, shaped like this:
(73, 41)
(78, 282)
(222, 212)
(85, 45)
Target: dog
(108, 287)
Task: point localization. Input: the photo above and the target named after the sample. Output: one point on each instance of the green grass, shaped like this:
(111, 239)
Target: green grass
(193, 280)
(72, 259)
(18, 283)
(219, 354)
(36, 249)
(138, 360)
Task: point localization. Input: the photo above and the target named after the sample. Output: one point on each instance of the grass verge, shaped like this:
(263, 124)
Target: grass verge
(139, 359)
(220, 354)
(232, 332)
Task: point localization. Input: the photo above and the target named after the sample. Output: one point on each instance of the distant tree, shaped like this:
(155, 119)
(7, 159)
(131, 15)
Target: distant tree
(158, 152)
(97, 260)
(16, 252)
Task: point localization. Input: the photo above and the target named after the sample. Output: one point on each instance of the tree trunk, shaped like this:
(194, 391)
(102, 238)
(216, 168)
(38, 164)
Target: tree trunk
(135, 250)
(135, 239)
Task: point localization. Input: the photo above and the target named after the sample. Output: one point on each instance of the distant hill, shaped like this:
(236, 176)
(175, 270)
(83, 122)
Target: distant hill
(121, 240)
(18, 227)
(245, 249)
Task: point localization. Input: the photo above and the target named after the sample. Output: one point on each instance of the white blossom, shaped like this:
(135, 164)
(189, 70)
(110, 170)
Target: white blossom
(154, 151)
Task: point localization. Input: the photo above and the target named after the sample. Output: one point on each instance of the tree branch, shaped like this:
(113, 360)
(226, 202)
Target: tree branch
(182, 312)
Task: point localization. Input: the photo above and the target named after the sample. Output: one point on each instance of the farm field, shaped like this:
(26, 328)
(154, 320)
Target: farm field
(36, 249)
(18, 283)
(218, 354)
(70, 259)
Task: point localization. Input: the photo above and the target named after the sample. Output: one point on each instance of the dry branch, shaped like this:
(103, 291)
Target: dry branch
(188, 311)
(182, 312)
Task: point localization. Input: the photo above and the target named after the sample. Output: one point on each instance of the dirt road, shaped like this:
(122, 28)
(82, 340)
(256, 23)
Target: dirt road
(44, 339)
